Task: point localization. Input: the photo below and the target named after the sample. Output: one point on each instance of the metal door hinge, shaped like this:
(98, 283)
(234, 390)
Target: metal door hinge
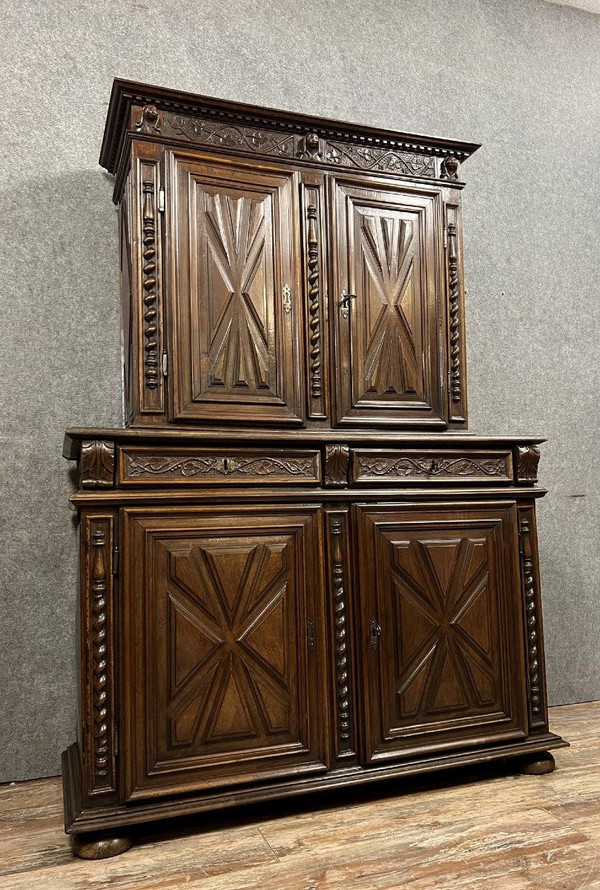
(345, 303)
(161, 200)
(374, 633)
(310, 633)
(287, 298)
(115, 560)
(165, 364)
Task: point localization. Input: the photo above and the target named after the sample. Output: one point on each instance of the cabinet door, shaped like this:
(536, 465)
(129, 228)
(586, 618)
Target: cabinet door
(235, 293)
(388, 332)
(222, 637)
(441, 627)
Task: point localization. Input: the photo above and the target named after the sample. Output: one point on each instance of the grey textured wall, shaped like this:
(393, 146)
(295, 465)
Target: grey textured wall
(520, 76)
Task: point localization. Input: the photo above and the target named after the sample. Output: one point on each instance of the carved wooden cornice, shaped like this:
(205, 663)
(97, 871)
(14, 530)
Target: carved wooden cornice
(175, 116)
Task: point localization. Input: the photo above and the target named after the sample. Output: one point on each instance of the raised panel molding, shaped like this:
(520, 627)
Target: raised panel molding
(236, 295)
(229, 605)
(239, 256)
(438, 600)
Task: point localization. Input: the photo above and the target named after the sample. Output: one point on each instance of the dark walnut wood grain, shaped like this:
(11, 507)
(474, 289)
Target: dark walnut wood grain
(295, 573)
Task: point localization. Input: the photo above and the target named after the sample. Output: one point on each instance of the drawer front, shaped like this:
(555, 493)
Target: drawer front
(189, 466)
(382, 466)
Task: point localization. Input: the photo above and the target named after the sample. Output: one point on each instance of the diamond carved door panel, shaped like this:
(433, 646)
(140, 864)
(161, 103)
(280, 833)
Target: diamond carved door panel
(235, 293)
(441, 627)
(224, 684)
(388, 330)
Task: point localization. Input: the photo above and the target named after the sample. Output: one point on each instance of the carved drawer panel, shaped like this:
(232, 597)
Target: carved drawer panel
(383, 466)
(188, 466)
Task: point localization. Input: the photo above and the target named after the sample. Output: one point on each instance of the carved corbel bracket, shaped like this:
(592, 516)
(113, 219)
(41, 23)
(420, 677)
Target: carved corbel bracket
(97, 464)
(527, 460)
(151, 120)
(450, 168)
(336, 464)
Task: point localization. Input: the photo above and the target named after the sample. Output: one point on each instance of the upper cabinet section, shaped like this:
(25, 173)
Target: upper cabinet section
(285, 270)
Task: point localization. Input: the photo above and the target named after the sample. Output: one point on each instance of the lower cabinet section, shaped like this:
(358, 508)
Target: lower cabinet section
(247, 651)
(224, 681)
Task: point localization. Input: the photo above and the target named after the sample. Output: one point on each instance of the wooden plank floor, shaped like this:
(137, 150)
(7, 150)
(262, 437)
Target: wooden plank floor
(488, 830)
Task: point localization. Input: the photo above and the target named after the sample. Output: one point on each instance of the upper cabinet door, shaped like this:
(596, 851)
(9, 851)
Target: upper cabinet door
(387, 319)
(235, 292)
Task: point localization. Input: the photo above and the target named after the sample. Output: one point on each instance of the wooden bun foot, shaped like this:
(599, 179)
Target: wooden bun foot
(538, 764)
(90, 846)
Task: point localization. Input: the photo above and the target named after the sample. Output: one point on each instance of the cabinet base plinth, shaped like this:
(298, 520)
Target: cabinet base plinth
(91, 823)
(538, 765)
(90, 846)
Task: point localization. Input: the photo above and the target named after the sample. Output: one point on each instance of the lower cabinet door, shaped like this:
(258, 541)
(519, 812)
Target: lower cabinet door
(222, 639)
(441, 627)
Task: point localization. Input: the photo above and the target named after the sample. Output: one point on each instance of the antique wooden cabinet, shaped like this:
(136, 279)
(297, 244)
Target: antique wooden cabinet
(298, 571)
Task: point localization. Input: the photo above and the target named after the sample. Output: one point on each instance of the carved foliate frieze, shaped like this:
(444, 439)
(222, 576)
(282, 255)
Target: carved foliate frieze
(379, 160)
(139, 465)
(527, 460)
(336, 530)
(97, 464)
(371, 465)
(236, 136)
(536, 698)
(365, 153)
(336, 464)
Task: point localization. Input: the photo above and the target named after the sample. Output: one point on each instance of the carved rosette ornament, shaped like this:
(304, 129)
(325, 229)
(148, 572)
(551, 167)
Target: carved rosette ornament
(336, 464)
(341, 647)
(97, 464)
(528, 458)
(532, 620)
